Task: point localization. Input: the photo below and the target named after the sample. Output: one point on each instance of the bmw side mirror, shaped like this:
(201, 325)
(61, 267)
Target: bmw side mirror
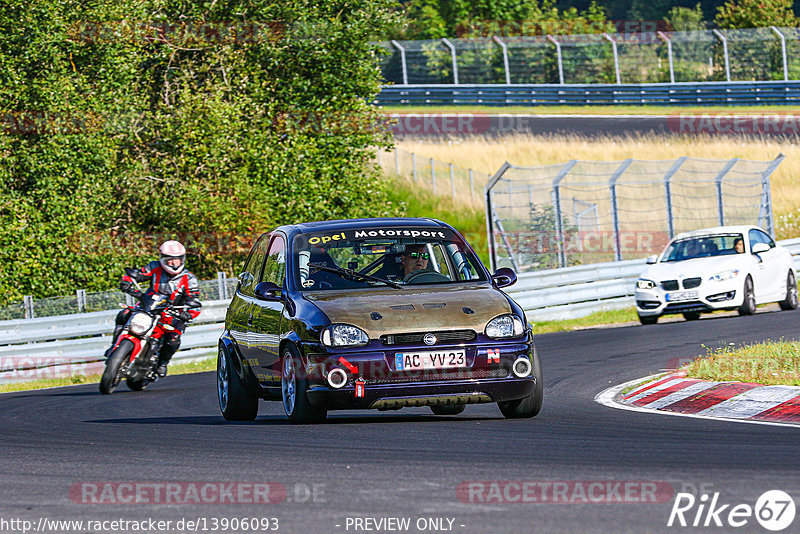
(268, 291)
(652, 259)
(504, 277)
(758, 248)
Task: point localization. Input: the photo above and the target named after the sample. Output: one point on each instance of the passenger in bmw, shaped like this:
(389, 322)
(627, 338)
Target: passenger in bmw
(738, 245)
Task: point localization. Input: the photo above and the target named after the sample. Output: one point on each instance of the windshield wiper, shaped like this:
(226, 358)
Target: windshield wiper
(350, 274)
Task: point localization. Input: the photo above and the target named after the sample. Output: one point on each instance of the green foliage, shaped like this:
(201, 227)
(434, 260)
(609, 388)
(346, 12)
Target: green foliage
(128, 122)
(685, 19)
(736, 14)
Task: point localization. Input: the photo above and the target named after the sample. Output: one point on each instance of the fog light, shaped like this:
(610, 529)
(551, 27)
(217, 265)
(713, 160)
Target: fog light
(522, 367)
(337, 378)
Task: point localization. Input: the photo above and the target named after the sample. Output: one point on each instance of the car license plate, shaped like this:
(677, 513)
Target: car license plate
(682, 295)
(445, 359)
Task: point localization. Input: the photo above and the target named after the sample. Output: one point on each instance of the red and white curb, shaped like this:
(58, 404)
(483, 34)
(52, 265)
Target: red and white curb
(674, 394)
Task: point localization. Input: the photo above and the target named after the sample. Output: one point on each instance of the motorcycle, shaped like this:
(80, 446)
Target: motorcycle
(134, 356)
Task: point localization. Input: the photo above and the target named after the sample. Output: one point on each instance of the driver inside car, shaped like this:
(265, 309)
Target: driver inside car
(415, 258)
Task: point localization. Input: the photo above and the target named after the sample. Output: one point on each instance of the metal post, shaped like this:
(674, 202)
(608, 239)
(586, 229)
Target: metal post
(558, 57)
(616, 56)
(612, 185)
(489, 221)
(668, 193)
(471, 187)
(452, 181)
(222, 286)
(725, 53)
(402, 61)
(27, 302)
(414, 166)
(452, 48)
(766, 195)
(783, 53)
(562, 254)
(80, 294)
(433, 175)
(397, 161)
(718, 181)
(505, 58)
(669, 55)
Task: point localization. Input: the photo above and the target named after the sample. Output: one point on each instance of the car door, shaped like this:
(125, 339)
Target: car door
(244, 303)
(770, 267)
(266, 319)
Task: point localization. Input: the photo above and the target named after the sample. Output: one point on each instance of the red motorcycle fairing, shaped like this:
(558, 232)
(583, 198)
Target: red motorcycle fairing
(137, 344)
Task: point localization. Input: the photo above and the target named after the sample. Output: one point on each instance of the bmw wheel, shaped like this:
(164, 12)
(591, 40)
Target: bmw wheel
(790, 302)
(748, 306)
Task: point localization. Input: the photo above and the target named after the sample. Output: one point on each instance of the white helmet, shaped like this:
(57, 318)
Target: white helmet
(171, 250)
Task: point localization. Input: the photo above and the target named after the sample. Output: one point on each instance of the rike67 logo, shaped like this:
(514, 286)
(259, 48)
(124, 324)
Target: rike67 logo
(774, 510)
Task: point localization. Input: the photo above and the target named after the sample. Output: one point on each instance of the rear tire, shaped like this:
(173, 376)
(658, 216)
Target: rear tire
(448, 409)
(790, 302)
(110, 378)
(294, 388)
(648, 319)
(529, 406)
(236, 401)
(691, 316)
(136, 384)
(748, 306)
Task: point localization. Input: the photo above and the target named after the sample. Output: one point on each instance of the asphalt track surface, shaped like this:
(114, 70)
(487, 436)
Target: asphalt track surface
(408, 463)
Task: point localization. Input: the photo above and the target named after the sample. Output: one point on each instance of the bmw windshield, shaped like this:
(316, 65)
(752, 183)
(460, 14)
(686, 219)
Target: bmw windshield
(704, 247)
(394, 256)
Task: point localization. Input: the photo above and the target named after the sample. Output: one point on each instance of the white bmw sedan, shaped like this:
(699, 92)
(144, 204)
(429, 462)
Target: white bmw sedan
(724, 268)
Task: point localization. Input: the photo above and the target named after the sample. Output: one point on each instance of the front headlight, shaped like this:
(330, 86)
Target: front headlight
(504, 326)
(645, 284)
(344, 335)
(724, 275)
(140, 323)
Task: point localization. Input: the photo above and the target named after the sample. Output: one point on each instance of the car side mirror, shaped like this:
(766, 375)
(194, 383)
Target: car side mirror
(652, 259)
(758, 248)
(268, 291)
(504, 277)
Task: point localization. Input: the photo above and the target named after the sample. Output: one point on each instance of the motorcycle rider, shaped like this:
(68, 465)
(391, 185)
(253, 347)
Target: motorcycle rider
(167, 275)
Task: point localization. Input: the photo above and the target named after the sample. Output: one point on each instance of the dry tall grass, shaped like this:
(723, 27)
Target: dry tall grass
(488, 154)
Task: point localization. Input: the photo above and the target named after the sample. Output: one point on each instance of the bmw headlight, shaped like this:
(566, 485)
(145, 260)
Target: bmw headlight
(724, 275)
(504, 326)
(344, 335)
(140, 323)
(645, 284)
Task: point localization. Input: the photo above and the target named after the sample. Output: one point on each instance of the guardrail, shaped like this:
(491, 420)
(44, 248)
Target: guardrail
(655, 94)
(74, 344)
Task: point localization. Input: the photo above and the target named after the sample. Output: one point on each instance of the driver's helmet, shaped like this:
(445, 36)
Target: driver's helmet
(172, 250)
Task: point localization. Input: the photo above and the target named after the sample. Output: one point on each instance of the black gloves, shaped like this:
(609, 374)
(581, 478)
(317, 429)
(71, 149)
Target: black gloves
(185, 316)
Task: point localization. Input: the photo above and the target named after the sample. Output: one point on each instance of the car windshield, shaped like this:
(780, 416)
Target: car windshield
(399, 255)
(704, 247)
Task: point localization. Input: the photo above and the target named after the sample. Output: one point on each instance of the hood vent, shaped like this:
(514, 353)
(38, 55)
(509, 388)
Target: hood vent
(434, 305)
(376, 316)
(403, 307)
(468, 311)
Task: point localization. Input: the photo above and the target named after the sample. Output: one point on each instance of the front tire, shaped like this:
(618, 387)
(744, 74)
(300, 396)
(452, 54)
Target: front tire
(110, 378)
(236, 401)
(136, 384)
(748, 306)
(691, 316)
(294, 388)
(529, 406)
(648, 319)
(790, 302)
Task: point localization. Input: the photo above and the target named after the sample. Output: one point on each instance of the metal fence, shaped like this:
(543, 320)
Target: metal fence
(586, 212)
(87, 301)
(757, 54)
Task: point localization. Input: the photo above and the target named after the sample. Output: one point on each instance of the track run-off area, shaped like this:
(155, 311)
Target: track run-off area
(167, 455)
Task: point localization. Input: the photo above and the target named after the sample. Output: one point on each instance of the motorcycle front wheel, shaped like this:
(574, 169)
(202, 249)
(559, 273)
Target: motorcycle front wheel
(111, 375)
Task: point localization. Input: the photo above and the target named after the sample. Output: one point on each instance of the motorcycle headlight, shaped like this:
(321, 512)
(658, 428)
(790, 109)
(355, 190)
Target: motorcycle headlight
(140, 323)
(645, 284)
(504, 326)
(344, 335)
(724, 275)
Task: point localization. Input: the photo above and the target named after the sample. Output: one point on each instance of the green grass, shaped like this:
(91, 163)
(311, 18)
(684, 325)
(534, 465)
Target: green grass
(593, 110)
(200, 366)
(602, 318)
(768, 363)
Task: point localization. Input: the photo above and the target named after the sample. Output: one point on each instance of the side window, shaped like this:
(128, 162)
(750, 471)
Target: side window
(275, 266)
(440, 262)
(754, 238)
(252, 269)
(766, 239)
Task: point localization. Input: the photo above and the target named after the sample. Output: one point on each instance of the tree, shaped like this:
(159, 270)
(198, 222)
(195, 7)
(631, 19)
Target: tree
(684, 19)
(736, 14)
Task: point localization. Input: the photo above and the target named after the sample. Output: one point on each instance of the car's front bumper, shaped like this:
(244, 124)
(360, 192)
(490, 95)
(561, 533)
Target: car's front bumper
(711, 296)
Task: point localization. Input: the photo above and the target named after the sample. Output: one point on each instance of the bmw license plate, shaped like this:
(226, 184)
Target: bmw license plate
(682, 295)
(445, 359)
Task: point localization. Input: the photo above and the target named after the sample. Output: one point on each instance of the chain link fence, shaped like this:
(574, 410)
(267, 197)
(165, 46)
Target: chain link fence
(756, 54)
(85, 301)
(586, 212)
